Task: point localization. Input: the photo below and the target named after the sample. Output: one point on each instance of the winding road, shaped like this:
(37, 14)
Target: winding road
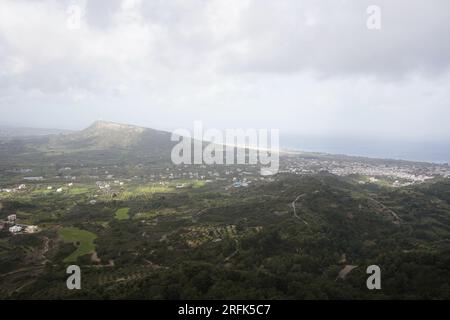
(295, 210)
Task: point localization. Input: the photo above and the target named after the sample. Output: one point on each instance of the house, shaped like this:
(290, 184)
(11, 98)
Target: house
(59, 190)
(12, 218)
(31, 229)
(15, 229)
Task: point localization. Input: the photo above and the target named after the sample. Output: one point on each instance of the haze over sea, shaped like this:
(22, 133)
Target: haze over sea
(426, 151)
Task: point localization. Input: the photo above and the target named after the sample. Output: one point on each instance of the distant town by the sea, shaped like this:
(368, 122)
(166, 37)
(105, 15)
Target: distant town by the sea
(423, 151)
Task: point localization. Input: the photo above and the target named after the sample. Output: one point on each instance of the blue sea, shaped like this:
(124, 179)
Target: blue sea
(425, 151)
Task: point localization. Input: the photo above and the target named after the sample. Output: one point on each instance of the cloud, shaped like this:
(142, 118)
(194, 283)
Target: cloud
(303, 66)
(331, 38)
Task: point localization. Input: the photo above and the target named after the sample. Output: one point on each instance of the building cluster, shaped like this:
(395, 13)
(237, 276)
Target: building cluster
(11, 190)
(11, 224)
(404, 172)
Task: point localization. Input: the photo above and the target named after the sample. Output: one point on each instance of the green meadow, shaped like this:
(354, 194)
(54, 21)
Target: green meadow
(84, 240)
(122, 214)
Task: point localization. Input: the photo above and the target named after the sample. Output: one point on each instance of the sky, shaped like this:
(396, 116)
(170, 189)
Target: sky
(304, 67)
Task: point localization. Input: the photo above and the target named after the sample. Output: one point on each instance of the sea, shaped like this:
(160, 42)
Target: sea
(422, 151)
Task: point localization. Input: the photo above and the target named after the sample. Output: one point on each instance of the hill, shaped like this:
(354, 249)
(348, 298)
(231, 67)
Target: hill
(291, 238)
(102, 142)
(103, 135)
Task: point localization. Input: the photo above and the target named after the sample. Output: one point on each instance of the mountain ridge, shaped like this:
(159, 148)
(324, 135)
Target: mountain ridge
(105, 135)
(110, 125)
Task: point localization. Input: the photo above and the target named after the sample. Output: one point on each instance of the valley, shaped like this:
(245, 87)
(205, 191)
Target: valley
(109, 200)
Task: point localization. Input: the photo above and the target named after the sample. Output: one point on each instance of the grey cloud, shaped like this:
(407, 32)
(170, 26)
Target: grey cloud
(411, 40)
(309, 66)
(98, 13)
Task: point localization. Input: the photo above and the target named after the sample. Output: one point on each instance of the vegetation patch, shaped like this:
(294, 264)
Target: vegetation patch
(122, 214)
(84, 240)
(146, 215)
(40, 192)
(153, 189)
(78, 190)
(198, 184)
(154, 214)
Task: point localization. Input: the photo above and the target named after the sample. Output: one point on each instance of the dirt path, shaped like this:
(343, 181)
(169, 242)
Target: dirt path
(197, 214)
(235, 252)
(25, 269)
(46, 246)
(109, 265)
(95, 258)
(45, 249)
(295, 210)
(345, 271)
(383, 207)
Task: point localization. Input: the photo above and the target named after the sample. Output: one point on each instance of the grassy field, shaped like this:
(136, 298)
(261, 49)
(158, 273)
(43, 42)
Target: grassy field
(122, 214)
(153, 214)
(153, 189)
(41, 192)
(84, 240)
(198, 184)
(78, 190)
(143, 191)
(145, 215)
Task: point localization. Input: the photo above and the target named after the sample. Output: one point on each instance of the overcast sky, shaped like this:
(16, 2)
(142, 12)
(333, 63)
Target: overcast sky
(307, 67)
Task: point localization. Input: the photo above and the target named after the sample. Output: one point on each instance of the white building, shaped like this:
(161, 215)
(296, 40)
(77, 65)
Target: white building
(31, 229)
(12, 218)
(15, 229)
